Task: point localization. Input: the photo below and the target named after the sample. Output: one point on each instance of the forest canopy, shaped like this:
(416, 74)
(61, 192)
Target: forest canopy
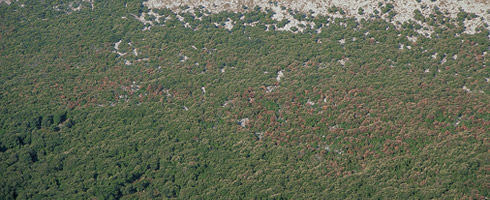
(114, 100)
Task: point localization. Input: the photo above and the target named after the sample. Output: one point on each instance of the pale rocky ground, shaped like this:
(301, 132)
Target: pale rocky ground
(244, 122)
(280, 74)
(403, 8)
(74, 6)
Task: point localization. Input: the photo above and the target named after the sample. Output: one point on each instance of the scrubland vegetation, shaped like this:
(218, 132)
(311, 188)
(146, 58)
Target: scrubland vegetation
(111, 100)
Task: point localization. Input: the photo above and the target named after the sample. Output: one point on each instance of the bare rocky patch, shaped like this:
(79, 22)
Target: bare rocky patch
(5, 1)
(404, 10)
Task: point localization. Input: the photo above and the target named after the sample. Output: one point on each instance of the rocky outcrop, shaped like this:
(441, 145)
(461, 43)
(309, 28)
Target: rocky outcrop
(360, 9)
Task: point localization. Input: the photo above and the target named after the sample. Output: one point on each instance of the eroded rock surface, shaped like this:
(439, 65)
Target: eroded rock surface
(360, 9)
